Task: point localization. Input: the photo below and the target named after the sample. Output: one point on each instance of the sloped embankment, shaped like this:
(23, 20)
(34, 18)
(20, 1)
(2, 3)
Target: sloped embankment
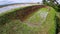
(28, 21)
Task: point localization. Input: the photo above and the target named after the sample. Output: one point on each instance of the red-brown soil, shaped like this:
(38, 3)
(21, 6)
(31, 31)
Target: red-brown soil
(23, 13)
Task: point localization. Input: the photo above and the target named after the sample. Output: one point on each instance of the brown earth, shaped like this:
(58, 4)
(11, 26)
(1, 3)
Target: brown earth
(23, 13)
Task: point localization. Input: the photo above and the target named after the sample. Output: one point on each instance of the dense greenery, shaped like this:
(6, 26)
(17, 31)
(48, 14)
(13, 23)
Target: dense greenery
(52, 3)
(56, 6)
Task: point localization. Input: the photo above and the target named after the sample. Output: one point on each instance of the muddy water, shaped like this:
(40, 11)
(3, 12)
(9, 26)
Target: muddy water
(4, 9)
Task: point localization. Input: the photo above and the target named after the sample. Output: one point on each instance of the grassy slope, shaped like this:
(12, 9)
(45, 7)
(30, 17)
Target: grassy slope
(18, 27)
(51, 21)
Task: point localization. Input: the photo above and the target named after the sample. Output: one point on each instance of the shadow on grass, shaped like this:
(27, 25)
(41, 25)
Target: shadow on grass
(57, 23)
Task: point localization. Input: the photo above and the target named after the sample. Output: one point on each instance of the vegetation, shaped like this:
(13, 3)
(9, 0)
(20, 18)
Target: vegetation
(38, 19)
(56, 6)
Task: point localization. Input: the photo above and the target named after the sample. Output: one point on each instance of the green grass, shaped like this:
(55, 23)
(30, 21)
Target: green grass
(35, 24)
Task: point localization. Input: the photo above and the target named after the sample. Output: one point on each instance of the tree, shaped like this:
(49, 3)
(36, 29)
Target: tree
(52, 3)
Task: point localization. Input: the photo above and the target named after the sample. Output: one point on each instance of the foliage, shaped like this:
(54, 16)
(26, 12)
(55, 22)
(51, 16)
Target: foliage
(52, 3)
(56, 6)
